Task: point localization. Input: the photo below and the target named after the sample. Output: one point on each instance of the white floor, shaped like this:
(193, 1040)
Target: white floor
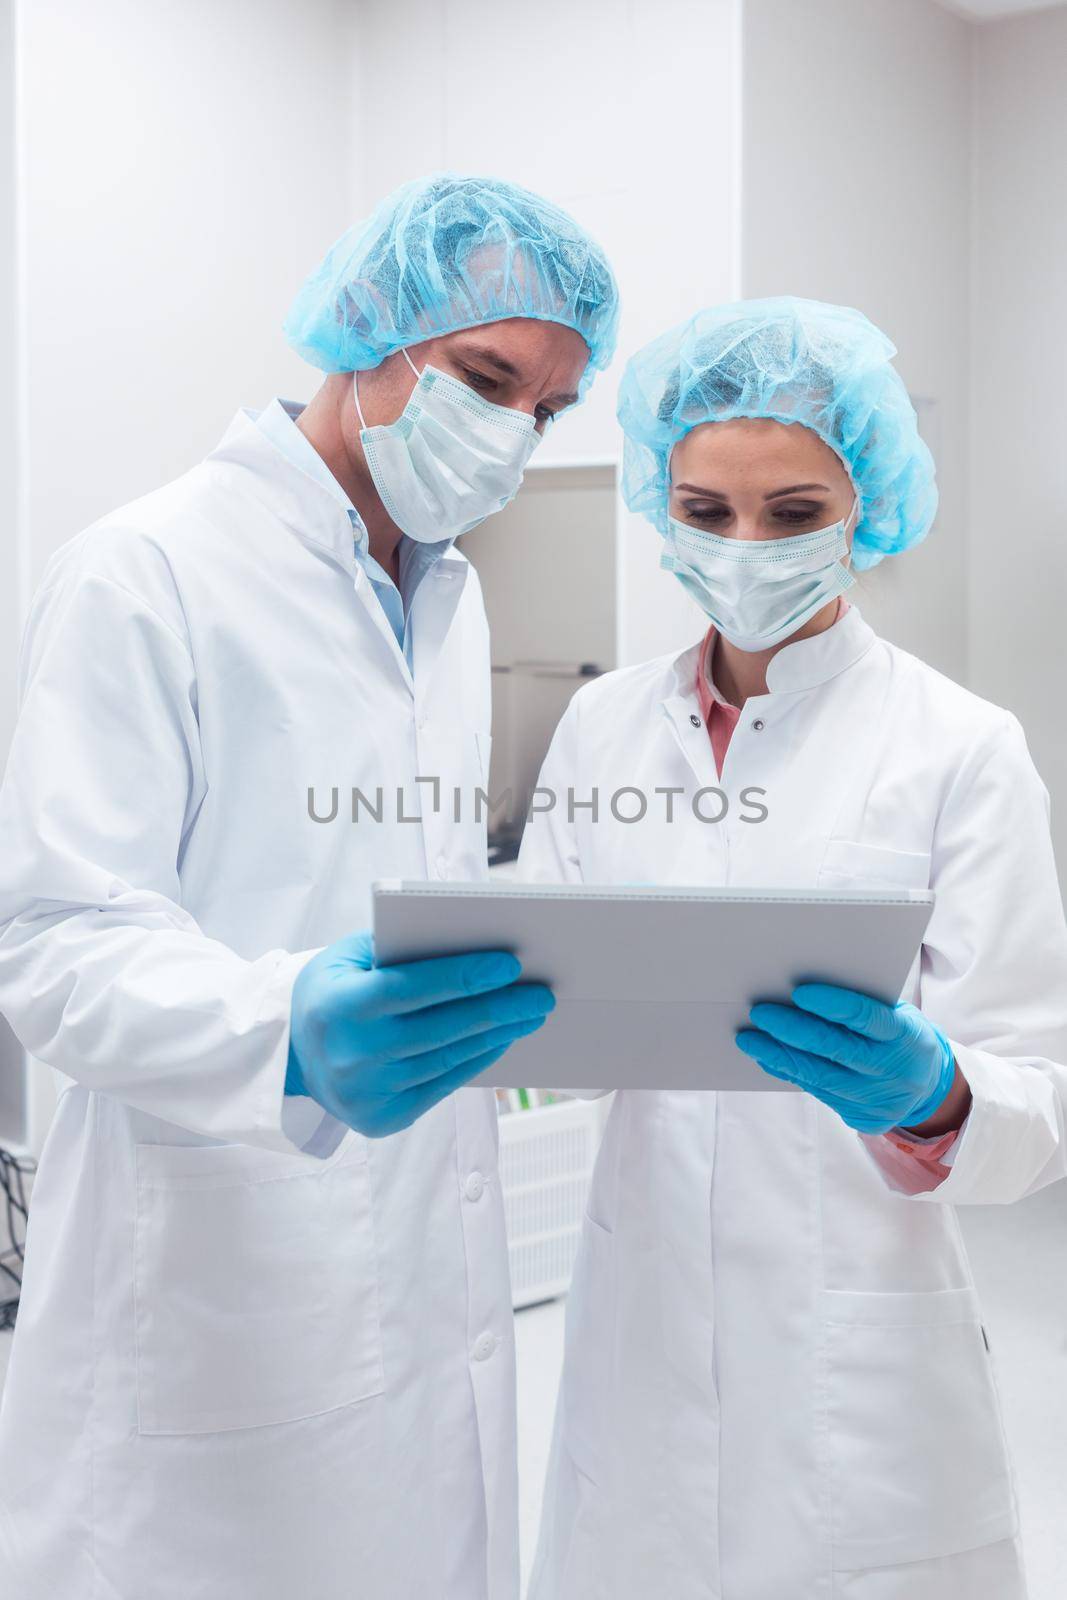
(1019, 1256)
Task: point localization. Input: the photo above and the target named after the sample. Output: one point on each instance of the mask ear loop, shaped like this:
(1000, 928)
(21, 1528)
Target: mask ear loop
(359, 408)
(355, 387)
(845, 561)
(853, 512)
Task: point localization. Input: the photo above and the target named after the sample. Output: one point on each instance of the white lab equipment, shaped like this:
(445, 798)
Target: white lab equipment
(546, 1157)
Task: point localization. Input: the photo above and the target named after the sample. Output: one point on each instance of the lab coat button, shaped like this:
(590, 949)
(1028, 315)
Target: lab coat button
(474, 1186)
(758, 724)
(484, 1346)
(694, 719)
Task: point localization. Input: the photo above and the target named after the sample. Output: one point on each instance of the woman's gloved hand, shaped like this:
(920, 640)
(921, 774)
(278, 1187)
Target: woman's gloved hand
(378, 1046)
(877, 1066)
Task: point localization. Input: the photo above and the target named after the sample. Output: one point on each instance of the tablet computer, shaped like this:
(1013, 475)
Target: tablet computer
(652, 983)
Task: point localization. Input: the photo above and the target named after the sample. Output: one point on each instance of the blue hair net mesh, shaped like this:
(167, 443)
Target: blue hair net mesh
(449, 252)
(792, 360)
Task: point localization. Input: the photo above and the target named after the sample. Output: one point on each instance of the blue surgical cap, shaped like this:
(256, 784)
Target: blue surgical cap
(449, 252)
(791, 360)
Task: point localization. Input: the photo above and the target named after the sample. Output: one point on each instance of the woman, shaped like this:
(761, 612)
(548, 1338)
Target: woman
(777, 1385)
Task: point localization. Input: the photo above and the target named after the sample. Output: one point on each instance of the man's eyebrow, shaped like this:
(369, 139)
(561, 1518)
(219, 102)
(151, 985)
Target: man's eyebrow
(481, 352)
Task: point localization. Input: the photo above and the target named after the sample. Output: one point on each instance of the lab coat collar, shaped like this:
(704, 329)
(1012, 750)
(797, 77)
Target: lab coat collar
(310, 502)
(685, 667)
(811, 662)
(278, 421)
(803, 665)
(314, 513)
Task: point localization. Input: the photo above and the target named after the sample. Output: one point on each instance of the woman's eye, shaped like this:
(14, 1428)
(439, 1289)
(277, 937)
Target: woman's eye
(798, 516)
(707, 514)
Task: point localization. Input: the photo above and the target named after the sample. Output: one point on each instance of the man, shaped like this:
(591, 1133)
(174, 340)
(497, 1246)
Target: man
(260, 1354)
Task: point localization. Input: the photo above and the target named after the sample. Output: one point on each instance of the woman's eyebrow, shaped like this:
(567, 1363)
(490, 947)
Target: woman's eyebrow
(692, 488)
(795, 488)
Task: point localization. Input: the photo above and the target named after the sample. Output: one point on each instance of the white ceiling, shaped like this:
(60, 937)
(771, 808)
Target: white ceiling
(990, 10)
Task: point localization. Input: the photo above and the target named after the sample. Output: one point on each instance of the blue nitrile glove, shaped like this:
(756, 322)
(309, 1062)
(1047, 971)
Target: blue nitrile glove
(877, 1066)
(378, 1046)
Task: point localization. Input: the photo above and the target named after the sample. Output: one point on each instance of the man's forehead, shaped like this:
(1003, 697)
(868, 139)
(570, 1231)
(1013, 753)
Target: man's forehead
(521, 347)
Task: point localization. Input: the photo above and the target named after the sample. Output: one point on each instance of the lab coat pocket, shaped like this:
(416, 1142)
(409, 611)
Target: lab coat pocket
(589, 1351)
(256, 1286)
(917, 1463)
(848, 864)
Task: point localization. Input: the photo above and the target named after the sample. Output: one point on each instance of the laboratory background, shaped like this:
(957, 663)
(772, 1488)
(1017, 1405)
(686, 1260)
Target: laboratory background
(169, 172)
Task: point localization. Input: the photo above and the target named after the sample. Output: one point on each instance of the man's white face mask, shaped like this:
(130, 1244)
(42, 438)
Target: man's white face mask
(450, 459)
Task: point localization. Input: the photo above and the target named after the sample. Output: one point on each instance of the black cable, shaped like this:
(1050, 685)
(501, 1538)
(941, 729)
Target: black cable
(14, 1170)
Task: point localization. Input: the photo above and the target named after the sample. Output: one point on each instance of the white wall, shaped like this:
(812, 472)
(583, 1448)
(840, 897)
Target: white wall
(185, 164)
(9, 482)
(1018, 545)
(182, 165)
(547, 569)
(855, 188)
(545, 563)
(581, 102)
(12, 1096)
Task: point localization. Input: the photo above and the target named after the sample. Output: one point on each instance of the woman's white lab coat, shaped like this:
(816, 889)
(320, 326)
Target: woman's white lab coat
(776, 1381)
(256, 1358)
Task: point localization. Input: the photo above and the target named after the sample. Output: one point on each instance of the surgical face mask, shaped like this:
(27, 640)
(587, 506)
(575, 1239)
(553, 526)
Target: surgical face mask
(449, 460)
(758, 592)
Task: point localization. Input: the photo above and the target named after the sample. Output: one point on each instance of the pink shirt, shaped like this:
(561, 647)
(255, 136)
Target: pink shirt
(915, 1166)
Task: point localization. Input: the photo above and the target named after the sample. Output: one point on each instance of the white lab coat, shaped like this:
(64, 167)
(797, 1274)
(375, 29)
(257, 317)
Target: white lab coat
(258, 1356)
(776, 1381)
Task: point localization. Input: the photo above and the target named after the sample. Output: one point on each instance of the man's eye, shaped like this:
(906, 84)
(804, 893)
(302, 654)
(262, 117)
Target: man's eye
(479, 381)
(543, 414)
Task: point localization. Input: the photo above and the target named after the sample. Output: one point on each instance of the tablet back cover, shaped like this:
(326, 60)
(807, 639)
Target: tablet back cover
(652, 984)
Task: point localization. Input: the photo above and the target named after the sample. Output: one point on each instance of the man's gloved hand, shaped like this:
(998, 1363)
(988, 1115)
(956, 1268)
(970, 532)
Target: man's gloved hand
(378, 1046)
(877, 1066)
